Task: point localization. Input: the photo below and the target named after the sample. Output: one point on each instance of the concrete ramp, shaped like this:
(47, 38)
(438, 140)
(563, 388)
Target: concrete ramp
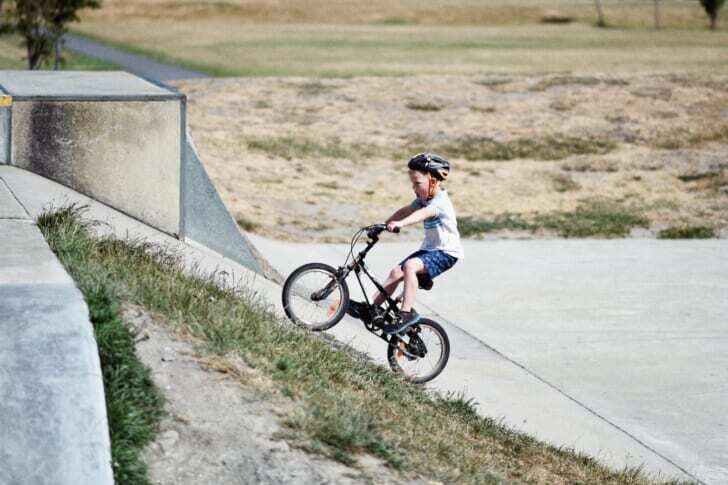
(52, 412)
(121, 140)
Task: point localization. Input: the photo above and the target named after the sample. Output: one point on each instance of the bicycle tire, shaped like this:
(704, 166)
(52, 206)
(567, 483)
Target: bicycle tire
(287, 297)
(442, 362)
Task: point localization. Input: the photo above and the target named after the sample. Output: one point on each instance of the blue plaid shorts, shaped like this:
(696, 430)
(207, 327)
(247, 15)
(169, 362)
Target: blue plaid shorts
(436, 262)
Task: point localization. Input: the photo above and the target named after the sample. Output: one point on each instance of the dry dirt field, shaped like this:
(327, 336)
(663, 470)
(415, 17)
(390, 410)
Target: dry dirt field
(534, 155)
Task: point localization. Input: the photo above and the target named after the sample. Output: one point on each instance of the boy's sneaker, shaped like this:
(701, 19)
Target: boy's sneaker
(405, 320)
(357, 309)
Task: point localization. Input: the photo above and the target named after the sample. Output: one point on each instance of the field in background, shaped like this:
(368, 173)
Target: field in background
(543, 155)
(389, 37)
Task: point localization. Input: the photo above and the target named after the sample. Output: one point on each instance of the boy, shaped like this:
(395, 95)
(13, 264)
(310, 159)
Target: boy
(441, 247)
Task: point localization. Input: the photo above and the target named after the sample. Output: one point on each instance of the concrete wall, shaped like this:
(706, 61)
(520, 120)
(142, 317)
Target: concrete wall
(123, 153)
(121, 140)
(5, 110)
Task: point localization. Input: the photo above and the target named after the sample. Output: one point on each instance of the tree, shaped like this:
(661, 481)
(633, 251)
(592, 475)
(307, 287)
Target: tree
(601, 22)
(657, 14)
(63, 12)
(711, 8)
(42, 24)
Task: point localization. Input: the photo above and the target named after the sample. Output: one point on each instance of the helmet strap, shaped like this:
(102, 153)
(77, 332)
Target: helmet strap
(433, 186)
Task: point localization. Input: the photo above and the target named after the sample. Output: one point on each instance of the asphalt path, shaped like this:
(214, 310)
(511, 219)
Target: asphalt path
(133, 63)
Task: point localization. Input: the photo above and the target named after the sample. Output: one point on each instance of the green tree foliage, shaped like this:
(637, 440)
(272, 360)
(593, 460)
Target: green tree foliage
(41, 24)
(711, 8)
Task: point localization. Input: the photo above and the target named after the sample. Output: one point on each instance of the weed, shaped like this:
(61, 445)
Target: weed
(328, 185)
(483, 109)
(472, 226)
(687, 232)
(423, 106)
(246, 224)
(564, 183)
(290, 147)
(314, 88)
(593, 218)
(691, 137)
(493, 81)
(548, 148)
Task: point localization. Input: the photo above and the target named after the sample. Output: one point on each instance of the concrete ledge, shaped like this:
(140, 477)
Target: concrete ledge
(52, 406)
(5, 123)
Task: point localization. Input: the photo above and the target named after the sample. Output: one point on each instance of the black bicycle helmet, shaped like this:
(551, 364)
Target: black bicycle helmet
(429, 162)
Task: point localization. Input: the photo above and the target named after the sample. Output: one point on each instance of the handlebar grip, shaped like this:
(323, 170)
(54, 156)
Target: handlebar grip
(396, 230)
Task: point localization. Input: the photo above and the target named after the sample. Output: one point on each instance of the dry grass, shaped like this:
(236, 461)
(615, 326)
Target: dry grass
(402, 12)
(358, 133)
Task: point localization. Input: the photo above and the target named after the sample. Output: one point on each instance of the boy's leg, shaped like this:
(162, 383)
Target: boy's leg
(395, 276)
(411, 268)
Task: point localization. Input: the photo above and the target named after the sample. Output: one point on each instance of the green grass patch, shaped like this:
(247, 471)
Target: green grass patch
(691, 137)
(687, 232)
(423, 106)
(576, 81)
(594, 218)
(475, 226)
(291, 147)
(547, 148)
(12, 56)
(342, 404)
(133, 404)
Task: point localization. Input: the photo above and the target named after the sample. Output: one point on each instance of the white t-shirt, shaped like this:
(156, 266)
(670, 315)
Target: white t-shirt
(441, 231)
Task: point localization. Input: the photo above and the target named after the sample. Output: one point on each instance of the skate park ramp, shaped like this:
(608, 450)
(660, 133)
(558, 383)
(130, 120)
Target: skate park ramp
(121, 140)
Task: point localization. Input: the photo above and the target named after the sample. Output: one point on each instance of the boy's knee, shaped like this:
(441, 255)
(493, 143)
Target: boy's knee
(396, 273)
(411, 266)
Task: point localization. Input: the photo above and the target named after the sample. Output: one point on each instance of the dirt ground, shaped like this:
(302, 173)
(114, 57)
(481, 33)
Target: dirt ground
(219, 431)
(313, 159)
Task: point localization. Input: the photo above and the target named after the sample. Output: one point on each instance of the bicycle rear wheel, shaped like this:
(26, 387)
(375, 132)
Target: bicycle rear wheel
(313, 297)
(421, 353)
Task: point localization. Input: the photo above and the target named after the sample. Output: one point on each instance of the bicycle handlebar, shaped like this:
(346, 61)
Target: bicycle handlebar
(377, 229)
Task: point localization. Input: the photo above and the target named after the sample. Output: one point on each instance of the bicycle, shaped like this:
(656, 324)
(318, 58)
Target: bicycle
(316, 296)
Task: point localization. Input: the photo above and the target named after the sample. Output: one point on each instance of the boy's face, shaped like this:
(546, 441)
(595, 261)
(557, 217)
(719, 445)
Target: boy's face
(420, 183)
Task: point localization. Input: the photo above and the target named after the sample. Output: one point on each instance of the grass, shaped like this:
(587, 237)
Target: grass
(687, 232)
(592, 218)
(225, 47)
(12, 56)
(690, 138)
(602, 218)
(474, 226)
(134, 405)
(340, 404)
(546, 148)
(423, 106)
(576, 81)
(294, 148)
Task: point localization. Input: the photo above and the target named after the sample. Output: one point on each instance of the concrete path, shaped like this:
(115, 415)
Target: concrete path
(133, 63)
(52, 409)
(618, 348)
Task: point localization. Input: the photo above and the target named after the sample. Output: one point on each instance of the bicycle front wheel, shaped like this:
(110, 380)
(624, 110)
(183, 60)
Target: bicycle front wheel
(314, 298)
(421, 353)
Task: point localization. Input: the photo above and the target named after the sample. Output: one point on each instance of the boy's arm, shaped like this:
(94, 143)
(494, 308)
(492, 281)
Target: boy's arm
(415, 216)
(400, 213)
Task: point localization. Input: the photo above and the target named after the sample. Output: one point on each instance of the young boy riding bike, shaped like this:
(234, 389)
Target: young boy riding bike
(440, 249)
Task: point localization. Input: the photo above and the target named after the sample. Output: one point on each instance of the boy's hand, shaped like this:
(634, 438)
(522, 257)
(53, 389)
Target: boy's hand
(391, 225)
